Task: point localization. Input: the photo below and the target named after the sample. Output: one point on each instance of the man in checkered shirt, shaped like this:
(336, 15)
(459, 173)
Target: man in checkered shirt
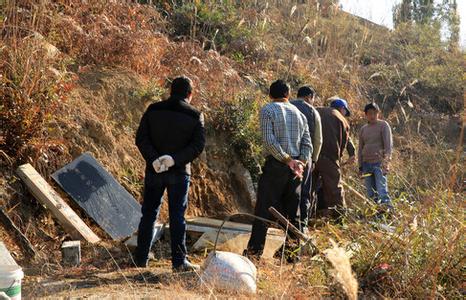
(288, 144)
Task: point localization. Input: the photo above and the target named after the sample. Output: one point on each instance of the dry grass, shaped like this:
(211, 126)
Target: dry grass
(33, 82)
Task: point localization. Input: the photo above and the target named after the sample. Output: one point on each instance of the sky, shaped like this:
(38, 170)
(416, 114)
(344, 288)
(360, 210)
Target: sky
(380, 12)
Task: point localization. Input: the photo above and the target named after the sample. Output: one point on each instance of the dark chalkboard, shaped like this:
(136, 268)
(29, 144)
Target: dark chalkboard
(100, 195)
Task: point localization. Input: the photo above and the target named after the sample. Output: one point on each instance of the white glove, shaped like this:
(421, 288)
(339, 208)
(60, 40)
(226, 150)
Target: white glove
(167, 161)
(156, 165)
(162, 168)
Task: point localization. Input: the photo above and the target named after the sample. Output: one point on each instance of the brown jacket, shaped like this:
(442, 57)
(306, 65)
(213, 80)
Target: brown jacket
(335, 133)
(375, 142)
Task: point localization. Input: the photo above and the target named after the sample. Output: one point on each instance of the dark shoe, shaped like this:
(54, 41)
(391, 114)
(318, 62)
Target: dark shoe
(292, 253)
(141, 263)
(186, 266)
(308, 248)
(384, 212)
(388, 208)
(253, 255)
(293, 259)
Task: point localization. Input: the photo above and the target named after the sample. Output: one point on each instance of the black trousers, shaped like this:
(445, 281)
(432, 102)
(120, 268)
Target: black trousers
(177, 186)
(305, 203)
(279, 188)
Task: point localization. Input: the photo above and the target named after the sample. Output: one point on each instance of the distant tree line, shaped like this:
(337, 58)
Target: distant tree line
(442, 16)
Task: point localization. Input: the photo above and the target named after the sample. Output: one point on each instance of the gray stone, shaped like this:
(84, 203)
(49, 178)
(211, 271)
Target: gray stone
(243, 176)
(71, 253)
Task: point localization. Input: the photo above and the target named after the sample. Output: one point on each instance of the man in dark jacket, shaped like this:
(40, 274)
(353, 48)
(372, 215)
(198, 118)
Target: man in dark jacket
(170, 136)
(304, 102)
(335, 135)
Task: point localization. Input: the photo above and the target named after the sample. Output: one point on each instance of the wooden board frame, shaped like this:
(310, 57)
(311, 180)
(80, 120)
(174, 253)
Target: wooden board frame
(46, 195)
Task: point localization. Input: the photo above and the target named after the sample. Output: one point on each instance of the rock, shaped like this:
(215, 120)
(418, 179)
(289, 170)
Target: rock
(244, 178)
(51, 50)
(71, 253)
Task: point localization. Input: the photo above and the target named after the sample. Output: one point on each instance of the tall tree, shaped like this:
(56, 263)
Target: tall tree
(424, 11)
(418, 11)
(402, 12)
(452, 19)
(437, 15)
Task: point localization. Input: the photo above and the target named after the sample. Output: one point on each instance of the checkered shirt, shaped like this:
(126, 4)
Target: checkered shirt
(285, 132)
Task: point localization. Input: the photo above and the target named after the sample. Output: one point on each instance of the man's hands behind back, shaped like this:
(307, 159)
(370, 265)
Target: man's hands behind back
(163, 163)
(297, 167)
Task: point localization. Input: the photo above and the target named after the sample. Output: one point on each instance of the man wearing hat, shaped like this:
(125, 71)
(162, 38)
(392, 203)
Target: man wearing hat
(335, 136)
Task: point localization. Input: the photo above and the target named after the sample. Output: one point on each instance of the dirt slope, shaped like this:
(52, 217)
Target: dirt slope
(101, 117)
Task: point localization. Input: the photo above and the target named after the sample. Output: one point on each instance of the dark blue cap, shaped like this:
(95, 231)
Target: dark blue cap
(338, 103)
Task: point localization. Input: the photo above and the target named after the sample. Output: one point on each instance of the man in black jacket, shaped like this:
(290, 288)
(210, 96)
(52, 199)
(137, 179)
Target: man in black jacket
(170, 136)
(304, 102)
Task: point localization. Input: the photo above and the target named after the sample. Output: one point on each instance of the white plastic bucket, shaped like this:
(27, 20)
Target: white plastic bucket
(10, 281)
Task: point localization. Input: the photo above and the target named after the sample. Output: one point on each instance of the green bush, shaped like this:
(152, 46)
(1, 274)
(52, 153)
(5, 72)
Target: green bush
(240, 119)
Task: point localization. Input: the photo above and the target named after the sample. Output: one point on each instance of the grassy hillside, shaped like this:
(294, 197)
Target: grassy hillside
(76, 76)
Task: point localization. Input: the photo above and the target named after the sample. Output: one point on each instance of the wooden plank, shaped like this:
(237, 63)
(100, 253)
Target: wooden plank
(45, 194)
(228, 226)
(287, 224)
(308, 243)
(5, 257)
(361, 196)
